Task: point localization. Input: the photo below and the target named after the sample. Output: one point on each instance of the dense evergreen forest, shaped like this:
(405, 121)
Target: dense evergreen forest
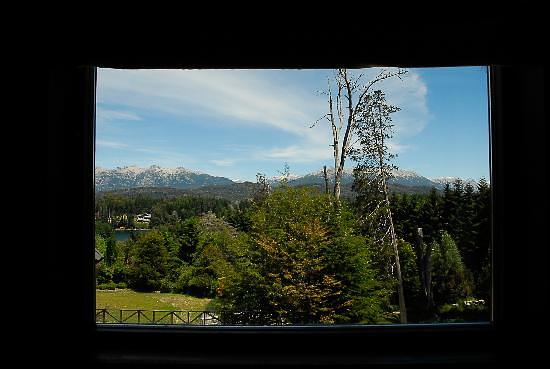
(297, 255)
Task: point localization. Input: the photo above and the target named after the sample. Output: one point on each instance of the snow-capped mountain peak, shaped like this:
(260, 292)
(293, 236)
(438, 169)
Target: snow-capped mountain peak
(183, 178)
(442, 181)
(153, 176)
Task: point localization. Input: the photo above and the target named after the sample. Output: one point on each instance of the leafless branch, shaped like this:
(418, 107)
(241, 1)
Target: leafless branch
(317, 121)
(384, 74)
(356, 82)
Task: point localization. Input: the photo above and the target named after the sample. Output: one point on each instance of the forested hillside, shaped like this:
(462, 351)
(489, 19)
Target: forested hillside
(295, 255)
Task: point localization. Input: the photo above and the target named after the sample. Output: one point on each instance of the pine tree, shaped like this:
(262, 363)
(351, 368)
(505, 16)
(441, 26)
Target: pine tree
(410, 218)
(469, 232)
(457, 230)
(482, 250)
(430, 216)
(451, 209)
(371, 174)
(450, 276)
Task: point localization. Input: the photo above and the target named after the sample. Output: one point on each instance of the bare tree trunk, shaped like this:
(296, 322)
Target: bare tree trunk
(425, 252)
(384, 185)
(340, 158)
(337, 180)
(326, 178)
(400, 291)
(335, 136)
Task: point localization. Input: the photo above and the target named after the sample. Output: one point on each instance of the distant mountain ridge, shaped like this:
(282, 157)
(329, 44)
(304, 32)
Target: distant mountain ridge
(181, 178)
(154, 176)
(441, 181)
(401, 178)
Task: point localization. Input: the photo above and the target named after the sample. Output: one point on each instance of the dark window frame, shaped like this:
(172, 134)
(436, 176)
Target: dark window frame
(378, 336)
(70, 154)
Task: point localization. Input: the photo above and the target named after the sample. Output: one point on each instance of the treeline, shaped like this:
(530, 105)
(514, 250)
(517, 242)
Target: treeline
(296, 255)
(456, 227)
(123, 209)
(462, 211)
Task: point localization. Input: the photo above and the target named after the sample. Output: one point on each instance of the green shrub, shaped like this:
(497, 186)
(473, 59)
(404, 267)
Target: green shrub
(107, 286)
(451, 279)
(467, 310)
(201, 285)
(304, 263)
(103, 273)
(119, 272)
(148, 262)
(166, 285)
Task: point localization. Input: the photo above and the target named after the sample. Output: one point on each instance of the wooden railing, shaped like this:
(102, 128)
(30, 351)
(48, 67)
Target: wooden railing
(184, 317)
(138, 316)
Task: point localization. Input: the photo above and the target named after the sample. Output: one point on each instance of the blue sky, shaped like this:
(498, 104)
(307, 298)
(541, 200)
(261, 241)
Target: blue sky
(236, 123)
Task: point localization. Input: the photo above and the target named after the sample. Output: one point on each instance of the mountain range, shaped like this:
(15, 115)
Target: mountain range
(154, 176)
(190, 181)
(400, 177)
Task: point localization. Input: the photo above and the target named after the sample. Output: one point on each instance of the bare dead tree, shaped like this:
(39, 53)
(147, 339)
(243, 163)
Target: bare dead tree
(326, 178)
(345, 105)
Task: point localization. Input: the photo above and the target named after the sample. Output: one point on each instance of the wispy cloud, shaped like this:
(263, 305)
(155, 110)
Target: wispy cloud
(397, 148)
(254, 98)
(223, 163)
(107, 115)
(240, 95)
(146, 156)
(408, 93)
(300, 153)
(111, 144)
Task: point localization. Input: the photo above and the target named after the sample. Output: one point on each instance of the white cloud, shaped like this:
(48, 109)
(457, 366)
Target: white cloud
(397, 148)
(236, 94)
(300, 153)
(409, 94)
(223, 163)
(106, 115)
(110, 144)
(255, 97)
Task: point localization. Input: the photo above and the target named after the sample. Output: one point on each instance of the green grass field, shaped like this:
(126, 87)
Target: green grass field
(128, 299)
(117, 300)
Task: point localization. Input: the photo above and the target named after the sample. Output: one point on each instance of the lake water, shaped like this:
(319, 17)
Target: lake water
(124, 234)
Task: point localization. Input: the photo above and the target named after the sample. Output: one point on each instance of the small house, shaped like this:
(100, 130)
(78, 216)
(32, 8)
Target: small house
(98, 256)
(145, 218)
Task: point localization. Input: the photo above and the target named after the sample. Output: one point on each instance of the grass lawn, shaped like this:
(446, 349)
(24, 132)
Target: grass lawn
(117, 300)
(128, 299)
